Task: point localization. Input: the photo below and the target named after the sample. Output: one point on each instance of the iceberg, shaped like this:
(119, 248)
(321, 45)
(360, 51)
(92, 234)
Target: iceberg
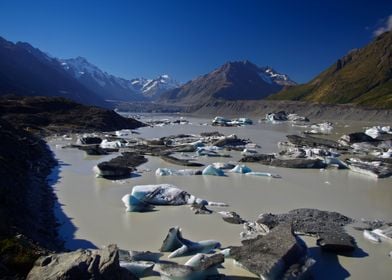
(179, 246)
(144, 197)
(241, 169)
(263, 174)
(105, 144)
(211, 170)
(173, 172)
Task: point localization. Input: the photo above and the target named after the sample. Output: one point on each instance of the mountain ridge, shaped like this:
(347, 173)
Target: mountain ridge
(236, 80)
(362, 77)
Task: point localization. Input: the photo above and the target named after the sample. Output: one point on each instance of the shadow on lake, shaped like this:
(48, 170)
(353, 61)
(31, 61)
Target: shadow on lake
(66, 229)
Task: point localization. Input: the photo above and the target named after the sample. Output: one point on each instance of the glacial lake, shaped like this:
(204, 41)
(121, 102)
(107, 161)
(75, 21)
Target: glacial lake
(93, 215)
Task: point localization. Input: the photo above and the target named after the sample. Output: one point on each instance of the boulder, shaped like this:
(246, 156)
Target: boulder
(81, 264)
(272, 255)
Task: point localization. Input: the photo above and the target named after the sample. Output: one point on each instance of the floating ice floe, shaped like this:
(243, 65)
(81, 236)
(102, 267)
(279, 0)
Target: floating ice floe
(263, 174)
(376, 131)
(211, 170)
(241, 169)
(320, 128)
(282, 116)
(384, 233)
(223, 165)
(105, 144)
(125, 133)
(248, 151)
(220, 121)
(144, 197)
(173, 172)
(369, 235)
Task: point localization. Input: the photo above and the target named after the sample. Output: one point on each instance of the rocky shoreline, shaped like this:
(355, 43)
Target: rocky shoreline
(257, 108)
(29, 226)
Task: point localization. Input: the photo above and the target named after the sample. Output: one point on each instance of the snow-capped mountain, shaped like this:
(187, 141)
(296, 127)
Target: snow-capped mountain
(106, 85)
(115, 88)
(238, 80)
(153, 88)
(271, 76)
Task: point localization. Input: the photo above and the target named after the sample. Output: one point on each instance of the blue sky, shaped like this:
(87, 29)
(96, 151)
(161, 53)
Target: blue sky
(187, 38)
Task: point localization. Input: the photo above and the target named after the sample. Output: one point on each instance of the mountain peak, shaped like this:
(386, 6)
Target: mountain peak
(234, 80)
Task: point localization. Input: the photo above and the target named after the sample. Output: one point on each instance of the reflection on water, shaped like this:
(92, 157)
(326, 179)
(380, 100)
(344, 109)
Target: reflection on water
(94, 215)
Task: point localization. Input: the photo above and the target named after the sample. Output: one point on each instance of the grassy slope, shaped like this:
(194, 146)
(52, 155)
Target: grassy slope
(364, 78)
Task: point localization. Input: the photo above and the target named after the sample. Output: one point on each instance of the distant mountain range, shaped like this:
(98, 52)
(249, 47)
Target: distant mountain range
(111, 87)
(25, 70)
(362, 77)
(239, 80)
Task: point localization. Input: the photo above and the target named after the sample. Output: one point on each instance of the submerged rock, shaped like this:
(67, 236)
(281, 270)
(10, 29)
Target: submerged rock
(200, 209)
(271, 256)
(81, 264)
(179, 246)
(231, 217)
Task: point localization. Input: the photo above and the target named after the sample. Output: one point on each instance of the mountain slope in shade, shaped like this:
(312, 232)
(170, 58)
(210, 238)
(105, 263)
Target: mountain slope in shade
(241, 80)
(363, 77)
(25, 70)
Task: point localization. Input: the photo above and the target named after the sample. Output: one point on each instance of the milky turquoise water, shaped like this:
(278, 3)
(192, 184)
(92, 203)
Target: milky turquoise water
(94, 215)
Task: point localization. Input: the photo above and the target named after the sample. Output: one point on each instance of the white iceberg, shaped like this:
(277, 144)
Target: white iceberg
(173, 172)
(105, 144)
(144, 197)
